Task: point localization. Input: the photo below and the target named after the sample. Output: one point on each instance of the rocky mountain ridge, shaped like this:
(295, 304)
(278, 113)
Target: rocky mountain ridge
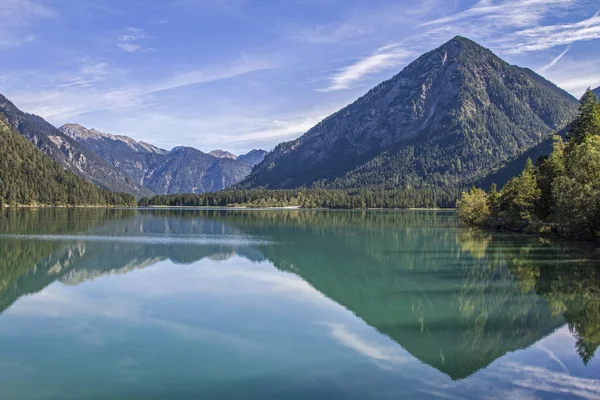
(453, 116)
(181, 170)
(68, 152)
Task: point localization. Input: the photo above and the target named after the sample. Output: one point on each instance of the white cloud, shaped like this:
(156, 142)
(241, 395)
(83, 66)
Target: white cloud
(380, 353)
(587, 74)
(515, 13)
(334, 32)
(544, 380)
(546, 37)
(557, 59)
(62, 96)
(384, 58)
(241, 130)
(15, 18)
(129, 40)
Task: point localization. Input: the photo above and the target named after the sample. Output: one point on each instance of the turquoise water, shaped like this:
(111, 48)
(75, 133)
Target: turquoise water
(290, 304)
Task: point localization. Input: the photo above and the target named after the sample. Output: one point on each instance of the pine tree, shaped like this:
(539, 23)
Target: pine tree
(518, 199)
(588, 120)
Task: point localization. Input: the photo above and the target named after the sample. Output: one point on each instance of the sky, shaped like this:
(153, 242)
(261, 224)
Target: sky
(244, 74)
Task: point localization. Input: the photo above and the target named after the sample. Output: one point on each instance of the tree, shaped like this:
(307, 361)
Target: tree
(473, 207)
(576, 195)
(588, 120)
(518, 199)
(548, 169)
(494, 200)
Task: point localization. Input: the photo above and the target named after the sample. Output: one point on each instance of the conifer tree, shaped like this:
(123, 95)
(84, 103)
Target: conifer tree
(588, 120)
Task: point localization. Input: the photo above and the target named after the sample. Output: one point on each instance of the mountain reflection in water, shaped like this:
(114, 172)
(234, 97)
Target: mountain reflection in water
(455, 299)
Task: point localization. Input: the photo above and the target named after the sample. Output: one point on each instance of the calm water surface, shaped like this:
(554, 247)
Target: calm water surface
(216, 304)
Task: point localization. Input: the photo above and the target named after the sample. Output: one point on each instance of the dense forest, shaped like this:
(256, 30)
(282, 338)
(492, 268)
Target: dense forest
(28, 177)
(313, 198)
(559, 194)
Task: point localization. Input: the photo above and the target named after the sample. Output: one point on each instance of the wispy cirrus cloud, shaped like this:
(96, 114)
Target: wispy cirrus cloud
(557, 59)
(130, 40)
(333, 32)
(546, 37)
(587, 74)
(384, 58)
(62, 96)
(517, 13)
(15, 18)
(384, 355)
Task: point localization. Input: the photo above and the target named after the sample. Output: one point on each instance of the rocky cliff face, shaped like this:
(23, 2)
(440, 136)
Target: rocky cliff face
(68, 152)
(181, 170)
(131, 157)
(452, 116)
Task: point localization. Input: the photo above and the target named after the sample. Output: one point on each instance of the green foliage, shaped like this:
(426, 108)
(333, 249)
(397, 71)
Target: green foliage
(518, 199)
(312, 198)
(28, 177)
(588, 121)
(576, 194)
(549, 168)
(561, 193)
(473, 207)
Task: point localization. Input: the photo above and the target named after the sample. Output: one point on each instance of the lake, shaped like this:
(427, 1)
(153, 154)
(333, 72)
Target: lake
(290, 304)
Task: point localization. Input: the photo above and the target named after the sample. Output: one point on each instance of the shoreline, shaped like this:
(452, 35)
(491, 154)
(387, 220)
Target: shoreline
(539, 235)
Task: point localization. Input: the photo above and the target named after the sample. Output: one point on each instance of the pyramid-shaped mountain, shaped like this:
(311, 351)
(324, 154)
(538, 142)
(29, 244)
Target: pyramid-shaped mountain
(453, 116)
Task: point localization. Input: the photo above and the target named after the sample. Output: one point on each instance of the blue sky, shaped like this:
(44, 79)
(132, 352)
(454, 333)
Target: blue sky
(243, 74)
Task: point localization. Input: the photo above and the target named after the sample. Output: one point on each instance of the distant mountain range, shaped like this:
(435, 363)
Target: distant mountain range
(597, 91)
(29, 177)
(181, 170)
(121, 164)
(68, 152)
(454, 116)
(457, 115)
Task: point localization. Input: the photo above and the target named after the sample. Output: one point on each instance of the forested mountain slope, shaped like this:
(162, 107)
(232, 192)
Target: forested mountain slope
(28, 177)
(66, 151)
(453, 116)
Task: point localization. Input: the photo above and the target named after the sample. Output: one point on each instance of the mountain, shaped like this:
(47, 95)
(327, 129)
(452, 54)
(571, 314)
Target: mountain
(222, 154)
(28, 177)
(253, 157)
(130, 157)
(181, 170)
(452, 116)
(597, 91)
(68, 152)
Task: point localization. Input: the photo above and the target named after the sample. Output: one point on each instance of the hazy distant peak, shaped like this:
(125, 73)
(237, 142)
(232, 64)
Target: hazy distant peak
(253, 157)
(222, 154)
